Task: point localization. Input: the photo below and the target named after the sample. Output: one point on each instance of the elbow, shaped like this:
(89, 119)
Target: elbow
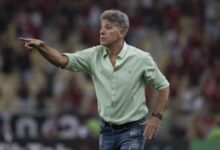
(166, 89)
(59, 61)
(63, 61)
(164, 92)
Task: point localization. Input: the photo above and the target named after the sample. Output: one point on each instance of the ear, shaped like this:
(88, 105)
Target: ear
(123, 33)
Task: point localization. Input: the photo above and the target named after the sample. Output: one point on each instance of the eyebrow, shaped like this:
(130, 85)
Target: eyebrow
(101, 25)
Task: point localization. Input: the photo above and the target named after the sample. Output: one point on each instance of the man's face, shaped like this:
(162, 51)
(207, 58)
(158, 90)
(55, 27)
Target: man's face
(110, 33)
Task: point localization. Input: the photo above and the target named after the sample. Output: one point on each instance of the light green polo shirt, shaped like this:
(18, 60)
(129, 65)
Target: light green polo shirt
(120, 90)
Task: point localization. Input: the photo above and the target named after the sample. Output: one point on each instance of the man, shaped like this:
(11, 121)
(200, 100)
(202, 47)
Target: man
(119, 72)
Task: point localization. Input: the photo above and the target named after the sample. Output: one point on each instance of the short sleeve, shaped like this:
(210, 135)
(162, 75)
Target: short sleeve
(153, 75)
(80, 61)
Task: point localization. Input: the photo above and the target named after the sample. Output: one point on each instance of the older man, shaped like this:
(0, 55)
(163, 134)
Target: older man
(119, 72)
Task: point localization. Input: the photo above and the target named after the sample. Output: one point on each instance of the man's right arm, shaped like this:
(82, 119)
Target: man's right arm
(52, 55)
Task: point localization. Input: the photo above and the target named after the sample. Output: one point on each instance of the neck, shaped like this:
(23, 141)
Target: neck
(114, 49)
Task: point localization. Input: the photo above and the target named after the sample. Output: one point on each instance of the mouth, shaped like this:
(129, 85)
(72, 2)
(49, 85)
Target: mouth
(102, 39)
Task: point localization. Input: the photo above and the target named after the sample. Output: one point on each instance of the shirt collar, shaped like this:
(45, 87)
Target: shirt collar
(122, 52)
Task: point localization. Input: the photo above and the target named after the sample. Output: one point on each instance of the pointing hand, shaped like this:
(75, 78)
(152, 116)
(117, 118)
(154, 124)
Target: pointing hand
(31, 43)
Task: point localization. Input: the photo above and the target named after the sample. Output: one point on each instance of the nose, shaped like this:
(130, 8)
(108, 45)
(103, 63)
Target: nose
(102, 31)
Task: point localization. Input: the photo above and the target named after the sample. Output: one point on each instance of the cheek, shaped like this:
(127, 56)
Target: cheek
(114, 35)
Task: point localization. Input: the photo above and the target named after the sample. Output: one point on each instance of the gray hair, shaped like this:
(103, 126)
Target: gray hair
(116, 16)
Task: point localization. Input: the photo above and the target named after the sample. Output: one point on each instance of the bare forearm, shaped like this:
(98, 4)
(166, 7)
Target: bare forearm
(53, 55)
(153, 123)
(161, 100)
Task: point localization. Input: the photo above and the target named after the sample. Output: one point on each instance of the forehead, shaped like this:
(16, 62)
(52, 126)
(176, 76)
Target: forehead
(108, 22)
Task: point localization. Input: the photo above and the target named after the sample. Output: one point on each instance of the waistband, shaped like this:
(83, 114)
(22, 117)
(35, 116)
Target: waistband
(120, 126)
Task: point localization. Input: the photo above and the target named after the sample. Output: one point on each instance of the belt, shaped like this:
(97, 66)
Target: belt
(120, 126)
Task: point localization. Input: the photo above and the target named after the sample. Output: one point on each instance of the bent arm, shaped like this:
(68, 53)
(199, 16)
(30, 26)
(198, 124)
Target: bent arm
(161, 100)
(154, 122)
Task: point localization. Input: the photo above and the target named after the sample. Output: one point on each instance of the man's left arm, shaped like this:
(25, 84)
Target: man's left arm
(153, 123)
(161, 102)
(159, 82)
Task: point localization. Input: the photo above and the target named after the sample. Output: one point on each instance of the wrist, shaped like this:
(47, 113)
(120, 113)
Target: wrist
(157, 115)
(42, 45)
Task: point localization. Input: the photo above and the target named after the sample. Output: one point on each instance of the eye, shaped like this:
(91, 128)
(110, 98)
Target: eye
(108, 27)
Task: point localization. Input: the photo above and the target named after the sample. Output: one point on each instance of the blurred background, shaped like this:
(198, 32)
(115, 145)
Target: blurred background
(44, 107)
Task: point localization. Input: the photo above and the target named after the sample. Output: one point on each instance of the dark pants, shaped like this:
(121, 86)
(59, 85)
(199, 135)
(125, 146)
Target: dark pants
(121, 137)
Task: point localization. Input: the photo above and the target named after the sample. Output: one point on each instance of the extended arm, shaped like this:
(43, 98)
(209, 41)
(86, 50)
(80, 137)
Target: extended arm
(51, 54)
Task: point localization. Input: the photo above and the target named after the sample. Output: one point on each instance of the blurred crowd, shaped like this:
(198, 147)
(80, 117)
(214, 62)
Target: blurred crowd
(183, 37)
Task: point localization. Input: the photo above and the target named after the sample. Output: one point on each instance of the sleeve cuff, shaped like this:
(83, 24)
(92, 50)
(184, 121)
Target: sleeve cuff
(68, 63)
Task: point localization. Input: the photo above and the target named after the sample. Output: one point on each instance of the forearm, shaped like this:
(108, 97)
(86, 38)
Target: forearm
(161, 100)
(153, 123)
(53, 55)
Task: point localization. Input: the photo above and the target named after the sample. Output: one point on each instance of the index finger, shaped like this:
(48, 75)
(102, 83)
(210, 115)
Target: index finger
(24, 39)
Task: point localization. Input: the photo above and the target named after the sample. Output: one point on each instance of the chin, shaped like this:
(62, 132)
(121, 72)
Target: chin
(104, 44)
